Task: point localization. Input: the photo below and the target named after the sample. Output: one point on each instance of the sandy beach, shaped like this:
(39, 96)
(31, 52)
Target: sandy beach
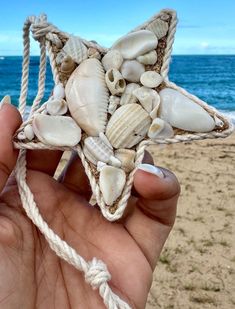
(197, 265)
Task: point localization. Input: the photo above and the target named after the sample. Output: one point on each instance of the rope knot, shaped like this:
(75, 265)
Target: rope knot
(97, 273)
(41, 27)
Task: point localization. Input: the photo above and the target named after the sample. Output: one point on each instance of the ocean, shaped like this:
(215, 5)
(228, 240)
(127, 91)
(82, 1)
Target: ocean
(212, 78)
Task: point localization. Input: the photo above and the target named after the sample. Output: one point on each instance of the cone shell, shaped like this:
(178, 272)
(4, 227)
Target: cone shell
(159, 28)
(127, 158)
(87, 96)
(75, 49)
(128, 126)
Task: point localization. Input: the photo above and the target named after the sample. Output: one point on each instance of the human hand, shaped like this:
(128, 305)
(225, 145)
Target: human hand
(31, 275)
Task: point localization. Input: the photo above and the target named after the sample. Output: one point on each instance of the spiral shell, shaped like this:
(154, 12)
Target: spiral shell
(128, 126)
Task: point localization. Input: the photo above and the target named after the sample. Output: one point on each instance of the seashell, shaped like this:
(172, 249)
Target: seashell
(94, 53)
(160, 129)
(183, 113)
(115, 82)
(28, 132)
(5, 100)
(87, 96)
(151, 79)
(132, 70)
(103, 137)
(21, 136)
(112, 60)
(149, 58)
(159, 27)
(67, 65)
(218, 122)
(100, 165)
(60, 57)
(96, 150)
(56, 130)
(148, 98)
(56, 107)
(136, 43)
(127, 96)
(59, 92)
(127, 126)
(76, 49)
(114, 101)
(165, 17)
(112, 181)
(127, 158)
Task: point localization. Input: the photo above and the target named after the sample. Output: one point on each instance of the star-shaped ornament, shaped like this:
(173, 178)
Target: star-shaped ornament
(110, 104)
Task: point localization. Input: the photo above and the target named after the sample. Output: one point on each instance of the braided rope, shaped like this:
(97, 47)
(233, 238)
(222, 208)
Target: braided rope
(95, 271)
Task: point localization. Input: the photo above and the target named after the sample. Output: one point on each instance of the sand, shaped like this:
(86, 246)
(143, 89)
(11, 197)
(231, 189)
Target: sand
(197, 265)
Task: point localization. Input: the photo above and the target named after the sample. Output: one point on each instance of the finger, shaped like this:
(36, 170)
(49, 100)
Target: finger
(10, 120)
(45, 161)
(75, 178)
(155, 209)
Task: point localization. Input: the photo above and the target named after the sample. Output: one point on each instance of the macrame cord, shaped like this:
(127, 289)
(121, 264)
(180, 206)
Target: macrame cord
(95, 271)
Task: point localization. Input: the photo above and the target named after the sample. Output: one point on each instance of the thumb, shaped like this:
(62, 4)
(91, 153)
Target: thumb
(10, 120)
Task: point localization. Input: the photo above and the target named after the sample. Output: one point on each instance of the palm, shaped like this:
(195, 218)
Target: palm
(34, 277)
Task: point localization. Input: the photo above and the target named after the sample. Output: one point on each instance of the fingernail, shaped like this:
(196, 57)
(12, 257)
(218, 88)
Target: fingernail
(5, 100)
(151, 169)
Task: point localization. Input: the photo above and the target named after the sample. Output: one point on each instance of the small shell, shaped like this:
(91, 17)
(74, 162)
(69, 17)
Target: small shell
(159, 27)
(136, 43)
(56, 107)
(5, 100)
(59, 92)
(114, 101)
(56, 130)
(28, 132)
(115, 82)
(112, 60)
(21, 136)
(87, 96)
(76, 49)
(132, 70)
(128, 126)
(218, 122)
(93, 53)
(67, 65)
(100, 165)
(95, 149)
(151, 79)
(160, 129)
(103, 137)
(127, 158)
(149, 58)
(148, 98)
(112, 181)
(60, 57)
(127, 96)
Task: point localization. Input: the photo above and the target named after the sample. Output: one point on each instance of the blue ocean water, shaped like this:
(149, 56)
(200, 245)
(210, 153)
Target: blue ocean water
(212, 78)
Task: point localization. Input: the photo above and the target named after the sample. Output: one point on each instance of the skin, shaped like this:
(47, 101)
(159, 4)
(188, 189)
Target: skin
(32, 276)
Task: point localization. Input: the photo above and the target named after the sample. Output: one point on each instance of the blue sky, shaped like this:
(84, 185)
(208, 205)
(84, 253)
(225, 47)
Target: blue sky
(205, 27)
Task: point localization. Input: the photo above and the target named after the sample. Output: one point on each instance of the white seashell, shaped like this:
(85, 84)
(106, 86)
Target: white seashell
(112, 60)
(112, 181)
(127, 96)
(149, 58)
(148, 98)
(5, 100)
(95, 149)
(103, 137)
(21, 136)
(136, 43)
(28, 132)
(114, 101)
(94, 53)
(56, 130)
(151, 79)
(60, 57)
(127, 158)
(132, 70)
(160, 129)
(59, 92)
(159, 27)
(76, 49)
(56, 107)
(115, 82)
(183, 113)
(67, 65)
(100, 165)
(127, 126)
(218, 122)
(87, 96)
(93, 200)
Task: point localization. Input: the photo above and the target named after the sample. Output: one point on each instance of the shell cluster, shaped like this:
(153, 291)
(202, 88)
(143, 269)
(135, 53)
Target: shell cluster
(112, 102)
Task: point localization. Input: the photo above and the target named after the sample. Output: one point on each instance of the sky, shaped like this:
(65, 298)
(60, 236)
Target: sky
(205, 26)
